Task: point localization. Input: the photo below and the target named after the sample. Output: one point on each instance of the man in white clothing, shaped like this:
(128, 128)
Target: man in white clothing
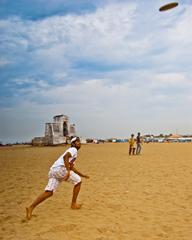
(62, 170)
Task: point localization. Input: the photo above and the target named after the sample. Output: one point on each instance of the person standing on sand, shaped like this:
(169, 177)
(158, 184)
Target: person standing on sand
(62, 170)
(138, 143)
(132, 145)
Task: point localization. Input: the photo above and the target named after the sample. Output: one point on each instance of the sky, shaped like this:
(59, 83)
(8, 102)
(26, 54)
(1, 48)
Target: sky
(114, 67)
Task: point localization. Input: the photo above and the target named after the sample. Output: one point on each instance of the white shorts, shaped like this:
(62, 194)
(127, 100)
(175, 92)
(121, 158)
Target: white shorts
(56, 176)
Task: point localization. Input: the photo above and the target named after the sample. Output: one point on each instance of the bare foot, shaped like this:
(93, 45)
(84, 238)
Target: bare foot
(29, 213)
(76, 206)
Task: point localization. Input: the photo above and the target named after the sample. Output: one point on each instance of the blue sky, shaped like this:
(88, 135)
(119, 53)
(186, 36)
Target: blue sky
(114, 67)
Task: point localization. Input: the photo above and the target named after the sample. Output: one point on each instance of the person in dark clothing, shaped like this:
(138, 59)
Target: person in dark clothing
(138, 144)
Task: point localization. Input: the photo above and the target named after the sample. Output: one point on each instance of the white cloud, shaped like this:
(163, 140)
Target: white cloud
(104, 34)
(182, 33)
(149, 85)
(171, 79)
(113, 34)
(101, 109)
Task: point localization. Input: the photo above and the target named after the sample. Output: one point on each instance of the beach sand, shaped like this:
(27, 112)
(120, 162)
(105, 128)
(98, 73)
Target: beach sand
(126, 198)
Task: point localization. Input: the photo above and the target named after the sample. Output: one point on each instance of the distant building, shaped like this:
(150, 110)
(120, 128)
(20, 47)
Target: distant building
(57, 132)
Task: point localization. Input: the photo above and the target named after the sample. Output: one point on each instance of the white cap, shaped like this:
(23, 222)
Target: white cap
(74, 139)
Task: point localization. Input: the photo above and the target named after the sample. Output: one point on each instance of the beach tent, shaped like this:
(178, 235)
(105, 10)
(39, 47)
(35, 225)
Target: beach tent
(173, 138)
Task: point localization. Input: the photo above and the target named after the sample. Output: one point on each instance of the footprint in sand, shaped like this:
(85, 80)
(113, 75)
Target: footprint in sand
(114, 206)
(60, 228)
(24, 220)
(7, 218)
(167, 229)
(105, 230)
(64, 228)
(101, 238)
(102, 229)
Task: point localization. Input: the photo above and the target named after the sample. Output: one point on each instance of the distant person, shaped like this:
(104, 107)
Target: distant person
(132, 145)
(62, 170)
(138, 143)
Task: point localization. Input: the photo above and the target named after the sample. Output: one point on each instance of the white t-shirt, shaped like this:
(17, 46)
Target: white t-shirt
(60, 161)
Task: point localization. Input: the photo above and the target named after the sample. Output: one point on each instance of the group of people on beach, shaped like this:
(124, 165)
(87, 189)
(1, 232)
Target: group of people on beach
(135, 144)
(63, 169)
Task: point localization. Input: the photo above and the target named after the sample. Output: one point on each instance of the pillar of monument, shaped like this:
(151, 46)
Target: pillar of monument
(48, 130)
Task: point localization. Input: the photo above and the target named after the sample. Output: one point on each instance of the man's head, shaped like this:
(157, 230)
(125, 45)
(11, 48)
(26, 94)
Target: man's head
(75, 142)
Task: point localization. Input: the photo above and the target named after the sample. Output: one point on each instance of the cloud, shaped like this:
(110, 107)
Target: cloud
(36, 9)
(99, 109)
(111, 35)
(120, 62)
(92, 36)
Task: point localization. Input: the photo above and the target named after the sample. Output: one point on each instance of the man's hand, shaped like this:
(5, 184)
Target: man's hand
(85, 176)
(67, 175)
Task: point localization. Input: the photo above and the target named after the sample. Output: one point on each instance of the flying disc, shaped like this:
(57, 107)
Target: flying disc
(168, 6)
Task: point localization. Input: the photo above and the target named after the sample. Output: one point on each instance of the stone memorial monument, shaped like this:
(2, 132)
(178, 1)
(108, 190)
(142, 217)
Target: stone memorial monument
(57, 132)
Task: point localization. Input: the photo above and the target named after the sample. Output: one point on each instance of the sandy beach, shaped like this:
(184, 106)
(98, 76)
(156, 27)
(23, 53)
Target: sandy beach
(146, 197)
